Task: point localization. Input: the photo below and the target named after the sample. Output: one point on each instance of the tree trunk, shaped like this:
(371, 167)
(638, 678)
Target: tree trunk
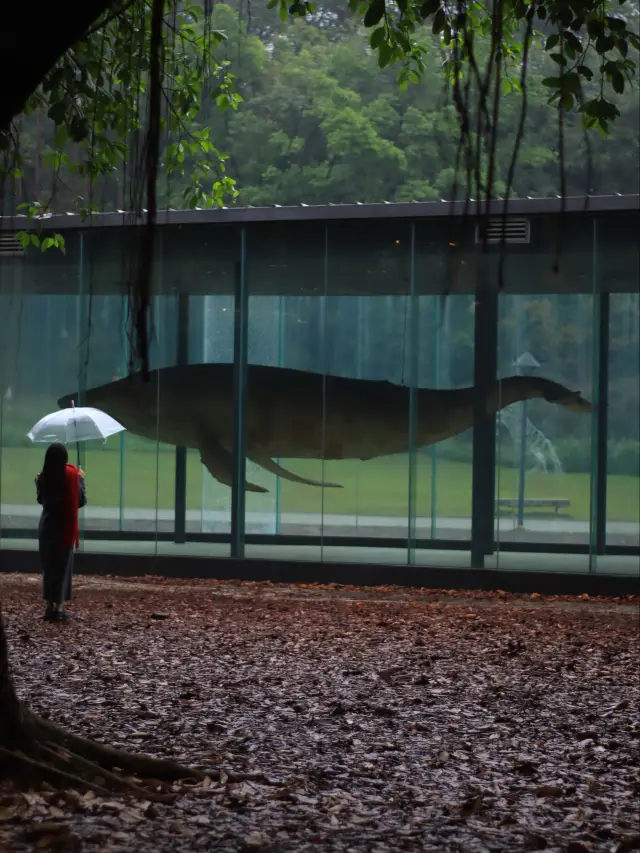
(12, 723)
(34, 750)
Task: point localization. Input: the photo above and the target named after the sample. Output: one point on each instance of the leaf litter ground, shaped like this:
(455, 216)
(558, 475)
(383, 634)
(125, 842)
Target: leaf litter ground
(336, 718)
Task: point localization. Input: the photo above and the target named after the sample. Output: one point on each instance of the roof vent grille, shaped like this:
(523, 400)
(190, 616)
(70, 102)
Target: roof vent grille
(514, 230)
(10, 246)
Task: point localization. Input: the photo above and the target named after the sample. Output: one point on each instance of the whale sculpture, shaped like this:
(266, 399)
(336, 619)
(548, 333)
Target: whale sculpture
(295, 414)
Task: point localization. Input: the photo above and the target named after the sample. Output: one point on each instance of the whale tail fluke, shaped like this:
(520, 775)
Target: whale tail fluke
(269, 465)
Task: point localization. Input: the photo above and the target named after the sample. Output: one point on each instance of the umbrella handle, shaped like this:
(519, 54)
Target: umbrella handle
(77, 442)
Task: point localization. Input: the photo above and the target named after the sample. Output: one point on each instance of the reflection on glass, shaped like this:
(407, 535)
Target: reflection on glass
(39, 353)
(314, 308)
(444, 472)
(623, 457)
(544, 450)
(53, 351)
(286, 279)
(208, 500)
(266, 347)
(364, 339)
(131, 476)
(102, 362)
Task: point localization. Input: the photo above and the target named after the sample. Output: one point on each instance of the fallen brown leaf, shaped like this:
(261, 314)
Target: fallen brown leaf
(627, 845)
(470, 741)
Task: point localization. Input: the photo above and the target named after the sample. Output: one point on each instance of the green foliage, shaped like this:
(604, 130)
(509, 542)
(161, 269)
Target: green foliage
(623, 457)
(29, 238)
(576, 35)
(319, 119)
(95, 99)
(574, 454)
(321, 122)
(486, 54)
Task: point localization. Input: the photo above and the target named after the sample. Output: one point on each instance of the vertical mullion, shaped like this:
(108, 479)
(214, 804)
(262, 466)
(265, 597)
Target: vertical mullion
(240, 360)
(485, 368)
(414, 336)
(182, 359)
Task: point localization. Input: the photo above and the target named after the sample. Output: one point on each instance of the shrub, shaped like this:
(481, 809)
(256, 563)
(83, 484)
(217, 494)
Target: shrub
(624, 457)
(574, 455)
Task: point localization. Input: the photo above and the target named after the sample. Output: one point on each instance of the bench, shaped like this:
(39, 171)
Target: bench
(556, 503)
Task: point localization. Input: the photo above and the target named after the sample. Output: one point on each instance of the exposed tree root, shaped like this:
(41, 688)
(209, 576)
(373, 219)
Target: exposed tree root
(110, 757)
(102, 776)
(43, 752)
(20, 766)
(34, 750)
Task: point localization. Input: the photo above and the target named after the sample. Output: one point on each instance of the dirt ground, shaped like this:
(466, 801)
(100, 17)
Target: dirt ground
(336, 718)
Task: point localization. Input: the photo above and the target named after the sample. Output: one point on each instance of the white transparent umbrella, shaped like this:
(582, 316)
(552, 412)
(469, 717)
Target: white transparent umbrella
(74, 425)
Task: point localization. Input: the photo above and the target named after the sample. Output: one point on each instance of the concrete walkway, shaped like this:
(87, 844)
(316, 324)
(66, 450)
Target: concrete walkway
(266, 520)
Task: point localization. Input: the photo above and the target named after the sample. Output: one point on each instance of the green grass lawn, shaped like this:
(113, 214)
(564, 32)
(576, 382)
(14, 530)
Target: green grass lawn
(378, 487)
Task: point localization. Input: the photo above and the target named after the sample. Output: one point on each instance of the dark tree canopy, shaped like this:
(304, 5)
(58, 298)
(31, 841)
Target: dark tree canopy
(35, 48)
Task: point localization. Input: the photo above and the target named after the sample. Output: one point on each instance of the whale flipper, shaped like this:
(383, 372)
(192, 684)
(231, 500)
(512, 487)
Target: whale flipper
(268, 464)
(219, 463)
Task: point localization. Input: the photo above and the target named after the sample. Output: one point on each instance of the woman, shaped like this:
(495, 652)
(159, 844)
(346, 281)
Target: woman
(61, 490)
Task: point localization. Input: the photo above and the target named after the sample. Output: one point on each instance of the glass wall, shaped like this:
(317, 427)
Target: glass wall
(623, 421)
(364, 321)
(444, 335)
(286, 282)
(76, 342)
(40, 359)
(545, 452)
(208, 505)
(361, 344)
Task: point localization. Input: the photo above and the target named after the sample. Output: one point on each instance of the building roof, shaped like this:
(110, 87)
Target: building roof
(331, 212)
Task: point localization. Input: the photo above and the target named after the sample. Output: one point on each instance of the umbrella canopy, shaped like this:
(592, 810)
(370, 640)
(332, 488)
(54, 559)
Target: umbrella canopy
(69, 425)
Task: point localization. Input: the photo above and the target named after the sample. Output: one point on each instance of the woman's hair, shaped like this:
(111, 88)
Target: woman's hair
(54, 470)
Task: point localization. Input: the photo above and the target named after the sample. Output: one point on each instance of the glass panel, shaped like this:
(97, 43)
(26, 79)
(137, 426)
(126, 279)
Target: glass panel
(209, 500)
(445, 352)
(546, 450)
(39, 359)
(368, 318)
(285, 268)
(344, 320)
(130, 476)
(69, 340)
(265, 347)
(104, 358)
(446, 340)
(623, 457)
(620, 252)
(203, 261)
